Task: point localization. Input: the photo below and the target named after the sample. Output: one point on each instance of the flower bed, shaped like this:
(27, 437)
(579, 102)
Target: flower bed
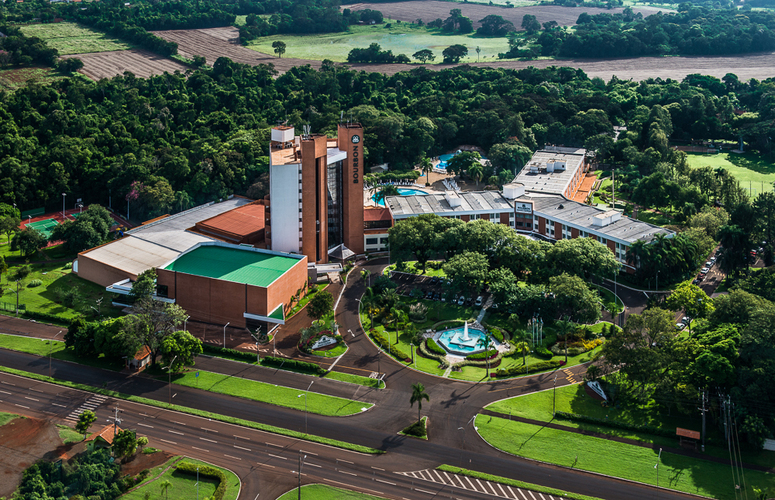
(521, 370)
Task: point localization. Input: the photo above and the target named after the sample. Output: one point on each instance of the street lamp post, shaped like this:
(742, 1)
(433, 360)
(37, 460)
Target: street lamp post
(656, 466)
(197, 483)
(462, 448)
(64, 195)
(169, 378)
(185, 323)
(301, 464)
(224, 334)
(305, 405)
(50, 347)
(554, 400)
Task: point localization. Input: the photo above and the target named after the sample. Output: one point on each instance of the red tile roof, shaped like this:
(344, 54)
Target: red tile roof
(106, 433)
(241, 221)
(142, 353)
(375, 214)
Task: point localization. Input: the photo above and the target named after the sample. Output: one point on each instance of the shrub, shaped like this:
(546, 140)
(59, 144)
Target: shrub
(435, 348)
(228, 353)
(543, 352)
(34, 283)
(150, 450)
(483, 355)
(649, 429)
(497, 333)
(206, 471)
(520, 370)
(417, 312)
(292, 364)
(417, 429)
(442, 359)
(391, 349)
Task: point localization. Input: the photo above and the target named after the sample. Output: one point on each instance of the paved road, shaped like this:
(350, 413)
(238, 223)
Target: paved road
(267, 463)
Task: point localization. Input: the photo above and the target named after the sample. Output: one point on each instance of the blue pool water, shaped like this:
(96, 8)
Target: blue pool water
(453, 341)
(402, 192)
(443, 159)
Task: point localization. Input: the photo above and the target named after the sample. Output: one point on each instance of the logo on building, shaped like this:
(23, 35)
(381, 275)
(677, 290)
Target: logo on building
(356, 139)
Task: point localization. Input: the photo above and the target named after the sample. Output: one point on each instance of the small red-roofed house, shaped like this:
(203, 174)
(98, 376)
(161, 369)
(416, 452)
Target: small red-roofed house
(103, 438)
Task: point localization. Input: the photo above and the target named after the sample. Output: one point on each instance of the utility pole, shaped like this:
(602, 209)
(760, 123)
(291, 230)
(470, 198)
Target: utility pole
(301, 463)
(554, 400)
(703, 410)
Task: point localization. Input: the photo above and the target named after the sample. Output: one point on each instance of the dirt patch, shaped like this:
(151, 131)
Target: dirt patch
(24, 442)
(141, 63)
(432, 10)
(140, 462)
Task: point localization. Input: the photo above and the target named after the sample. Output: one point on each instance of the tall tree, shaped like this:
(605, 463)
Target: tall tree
(418, 394)
(85, 420)
(279, 48)
(150, 323)
(182, 347)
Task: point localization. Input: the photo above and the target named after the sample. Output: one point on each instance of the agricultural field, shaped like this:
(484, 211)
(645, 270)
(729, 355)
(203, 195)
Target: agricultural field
(71, 38)
(12, 79)
(754, 173)
(141, 63)
(403, 38)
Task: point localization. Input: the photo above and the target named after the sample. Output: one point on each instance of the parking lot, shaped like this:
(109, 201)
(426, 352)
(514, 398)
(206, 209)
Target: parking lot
(434, 288)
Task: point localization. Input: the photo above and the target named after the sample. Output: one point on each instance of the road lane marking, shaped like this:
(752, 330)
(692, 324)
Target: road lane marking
(425, 491)
(208, 430)
(179, 423)
(200, 449)
(176, 432)
(241, 448)
(348, 473)
(275, 445)
(377, 468)
(22, 406)
(313, 465)
(32, 399)
(308, 452)
(6, 392)
(235, 458)
(277, 456)
(266, 465)
(240, 437)
(386, 482)
(345, 461)
(36, 390)
(145, 425)
(146, 415)
(59, 405)
(209, 440)
(170, 442)
(7, 383)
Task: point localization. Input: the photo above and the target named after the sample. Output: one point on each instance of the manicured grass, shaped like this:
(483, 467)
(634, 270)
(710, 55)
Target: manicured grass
(7, 417)
(356, 379)
(331, 353)
(414, 268)
(403, 38)
(607, 296)
(200, 413)
(184, 485)
(304, 300)
(749, 168)
(71, 38)
(323, 492)
(658, 219)
(613, 458)
(320, 404)
(514, 482)
(68, 435)
(41, 347)
(420, 427)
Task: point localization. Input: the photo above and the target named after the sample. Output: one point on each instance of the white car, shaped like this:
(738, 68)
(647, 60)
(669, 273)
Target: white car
(479, 301)
(461, 300)
(704, 270)
(679, 326)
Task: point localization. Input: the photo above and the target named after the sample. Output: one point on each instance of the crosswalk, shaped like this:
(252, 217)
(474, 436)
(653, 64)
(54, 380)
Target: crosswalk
(90, 404)
(569, 376)
(479, 485)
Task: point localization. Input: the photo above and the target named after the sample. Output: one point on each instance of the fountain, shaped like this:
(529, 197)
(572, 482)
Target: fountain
(461, 341)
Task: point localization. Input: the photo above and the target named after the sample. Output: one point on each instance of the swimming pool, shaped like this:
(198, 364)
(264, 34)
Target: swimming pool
(456, 341)
(443, 159)
(402, 192)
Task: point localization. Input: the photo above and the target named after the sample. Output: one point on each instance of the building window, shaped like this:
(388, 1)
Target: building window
(383, 241)
(372, 241)
(495, 217)
(474, 217)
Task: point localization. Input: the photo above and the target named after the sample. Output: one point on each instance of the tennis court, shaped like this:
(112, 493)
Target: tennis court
(44, 226)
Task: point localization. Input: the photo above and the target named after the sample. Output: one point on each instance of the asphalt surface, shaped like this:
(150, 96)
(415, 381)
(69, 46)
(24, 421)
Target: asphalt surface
(267, 463)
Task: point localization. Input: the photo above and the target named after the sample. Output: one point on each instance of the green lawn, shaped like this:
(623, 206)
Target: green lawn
(320, 404)
(58, 351)
(403, 38)
(614, 458)
(356, 379)
(68, 435)
(331, 353)
(607, 296)
(184, 485)
(749, 168)
(655, 218)
(71, 38)
(413, 268)
(323, 492)
(7, 417)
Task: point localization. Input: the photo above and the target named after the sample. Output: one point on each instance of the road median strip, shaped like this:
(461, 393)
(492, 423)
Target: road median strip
(200, 413)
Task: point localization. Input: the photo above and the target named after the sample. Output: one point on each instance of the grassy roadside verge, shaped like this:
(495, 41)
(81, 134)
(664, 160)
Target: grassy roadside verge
(184, 485)
(199, 413)
(356, 379)
(514, 482)
(7, 417)
(616, 459)
(287, 397)
(323, 492)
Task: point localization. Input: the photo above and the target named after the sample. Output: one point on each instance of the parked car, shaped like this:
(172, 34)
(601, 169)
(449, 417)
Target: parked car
(469, 301)
(713, 260)
(709, 264)
(479, 301)
(685, 320)
(437, 296)
(429, 295)
(494, 305)
(461, 300)
(704, 270)
(700, 277)
(679, 326)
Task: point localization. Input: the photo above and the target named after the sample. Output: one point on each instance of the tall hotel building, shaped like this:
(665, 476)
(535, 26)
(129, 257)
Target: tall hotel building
(315, 192)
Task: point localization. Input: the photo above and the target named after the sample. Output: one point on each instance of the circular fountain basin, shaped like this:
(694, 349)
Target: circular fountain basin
(454, 341)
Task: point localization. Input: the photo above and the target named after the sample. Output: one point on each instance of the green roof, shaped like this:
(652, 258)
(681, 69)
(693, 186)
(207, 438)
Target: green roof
(233, 264)
(278, 313)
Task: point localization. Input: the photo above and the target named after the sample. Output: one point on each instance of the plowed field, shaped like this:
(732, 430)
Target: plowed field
(140, 62)
(429, 10)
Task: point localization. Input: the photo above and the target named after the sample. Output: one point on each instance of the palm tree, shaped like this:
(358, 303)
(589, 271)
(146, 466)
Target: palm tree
(389, 297)
(524, 348)
(399, 317)
(165, 486)
(486, 344)
(369, 301)
(366, 275)
(388, 190)
(476, 171)
(564, 327)
(418, 394)
(426, 167)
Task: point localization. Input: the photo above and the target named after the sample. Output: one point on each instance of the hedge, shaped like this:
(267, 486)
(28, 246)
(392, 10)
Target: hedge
(483, 355)
(648, 429)
(292, 364)
(391, 349)
(520, 370)
(442, 359)
(225, 352)
(435, 348)
(206, 471)
(497, 333)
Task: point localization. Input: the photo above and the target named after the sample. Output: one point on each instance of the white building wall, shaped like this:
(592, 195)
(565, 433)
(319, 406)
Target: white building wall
(285, 202)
